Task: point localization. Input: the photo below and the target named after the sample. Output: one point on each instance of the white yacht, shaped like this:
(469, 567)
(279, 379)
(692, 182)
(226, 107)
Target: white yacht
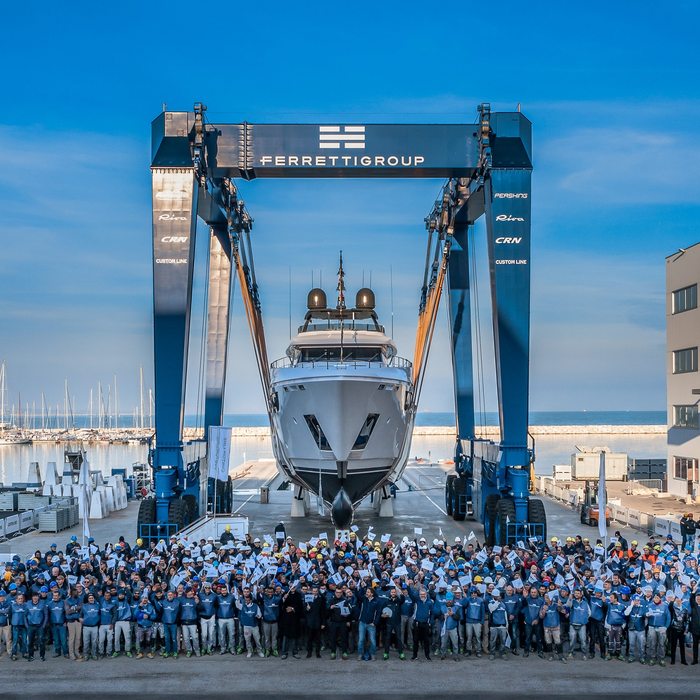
(342, 413)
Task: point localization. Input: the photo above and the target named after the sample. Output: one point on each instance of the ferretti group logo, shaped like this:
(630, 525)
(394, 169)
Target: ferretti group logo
(341, 137)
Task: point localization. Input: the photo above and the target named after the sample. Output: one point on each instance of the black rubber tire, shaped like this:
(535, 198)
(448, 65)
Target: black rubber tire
(449, 485)
(191, 501)
(459, 489)
(146, 516)
(505, 513)
(537, 514)
(490, 519)
(584, 521)
(177, 513)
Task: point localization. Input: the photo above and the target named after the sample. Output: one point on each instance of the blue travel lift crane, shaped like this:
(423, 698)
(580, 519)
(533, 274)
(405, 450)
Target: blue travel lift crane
(488, 166)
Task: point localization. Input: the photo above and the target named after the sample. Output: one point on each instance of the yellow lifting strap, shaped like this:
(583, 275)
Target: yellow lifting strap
(426, 323)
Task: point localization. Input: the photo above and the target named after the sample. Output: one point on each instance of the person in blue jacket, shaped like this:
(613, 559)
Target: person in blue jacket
(513, 603)
(532, 604)
(5, 627)
(370, 614)
(73, 605)
(579, 614)
(659, 618)
(636, 628)
(57, 618)
(498, 624)
(206, 609)
(169, 618)
(37, 619)
(615, 621)
(551, 613)
(18, 620)
(90, 619)
(122, 623)
(145, 616)
(596, 622)
(422, 621)
(105, 638)
(188, 620)
(474, 619)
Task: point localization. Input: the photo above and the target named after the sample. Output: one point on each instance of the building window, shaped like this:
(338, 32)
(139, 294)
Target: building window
(685, 299)
(685, 417)
(685, 360)
(685, 468)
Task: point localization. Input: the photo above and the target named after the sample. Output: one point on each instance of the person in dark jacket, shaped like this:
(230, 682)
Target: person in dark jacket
(694, 624)
(291, 612)
(370, 611)
(391, 619)
(339, 622)
(676, 630)
(315, 615)
(37, 619)
(688, 529)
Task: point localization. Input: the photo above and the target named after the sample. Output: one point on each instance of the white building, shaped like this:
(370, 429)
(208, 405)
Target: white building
(682, 377)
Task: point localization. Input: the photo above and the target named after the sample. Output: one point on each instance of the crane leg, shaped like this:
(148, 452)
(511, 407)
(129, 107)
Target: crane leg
(175, 197)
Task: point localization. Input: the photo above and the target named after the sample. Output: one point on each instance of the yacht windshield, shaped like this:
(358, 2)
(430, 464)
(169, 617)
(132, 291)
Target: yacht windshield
(351, 353)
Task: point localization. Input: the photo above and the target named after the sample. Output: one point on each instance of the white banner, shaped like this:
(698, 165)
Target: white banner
(602, 498)
(219, 452)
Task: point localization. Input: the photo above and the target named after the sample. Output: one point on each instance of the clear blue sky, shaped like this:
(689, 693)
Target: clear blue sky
(613, 95)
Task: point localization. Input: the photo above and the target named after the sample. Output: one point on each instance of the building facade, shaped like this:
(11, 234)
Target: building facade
(682, 376)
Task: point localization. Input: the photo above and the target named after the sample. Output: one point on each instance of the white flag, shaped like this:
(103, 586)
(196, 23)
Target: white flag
(219, 452)
(85, 498)
(602, 498)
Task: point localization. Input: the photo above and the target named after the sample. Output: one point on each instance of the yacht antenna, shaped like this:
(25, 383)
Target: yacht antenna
(341, 301)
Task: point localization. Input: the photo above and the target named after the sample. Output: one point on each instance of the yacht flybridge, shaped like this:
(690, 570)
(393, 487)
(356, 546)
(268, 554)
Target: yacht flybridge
(343, 411)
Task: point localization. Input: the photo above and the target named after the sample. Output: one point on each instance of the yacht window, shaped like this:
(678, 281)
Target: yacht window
(350, 354)
(366, 431)
(317, 432)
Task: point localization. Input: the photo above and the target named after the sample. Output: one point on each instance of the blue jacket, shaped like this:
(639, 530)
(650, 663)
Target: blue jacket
(91, 614)
(658, 614)
(474, 610)
(207, 605)
(73, 606)
(37, 613)
(423, 611)
(18, 614)
(531, 609)
(4, 613)
(550, 616)
(248, 613)
(145, 615)
(637, 617)
(513, 604)
(123, 611)
(171, 609)
(580, 611)
(597, 606)
(498, 614)
(271, 608)
(616, 614)
(188, 611)
(451, 621)
(370, 610)
(57, 612)
(108, 610)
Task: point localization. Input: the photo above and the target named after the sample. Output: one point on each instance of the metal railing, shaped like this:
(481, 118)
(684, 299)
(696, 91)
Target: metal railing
(152, 532)
(348, 327)
(395, 362)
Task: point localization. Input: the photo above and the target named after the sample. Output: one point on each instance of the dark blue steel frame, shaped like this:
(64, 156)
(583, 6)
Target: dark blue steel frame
(193, 164)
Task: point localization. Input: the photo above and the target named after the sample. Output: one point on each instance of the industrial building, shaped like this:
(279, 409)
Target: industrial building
(682, 378)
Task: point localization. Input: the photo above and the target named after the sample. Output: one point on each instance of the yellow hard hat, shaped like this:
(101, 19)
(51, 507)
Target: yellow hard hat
(634, 542)
(377, 544)
(139, 541)
(228, 528)
(478, 579)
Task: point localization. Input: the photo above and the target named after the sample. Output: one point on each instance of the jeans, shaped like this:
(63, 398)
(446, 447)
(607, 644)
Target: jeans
(227, 635)
(636, 639)
(536, 632)
(514, 632)
(60, 639)
(89, 641)
(614, 640)
(656, 643)
(170, 633)
(367, 629)
(19, 640)
(577, 633)
(36, 634)
(122, 628)
(498, 636)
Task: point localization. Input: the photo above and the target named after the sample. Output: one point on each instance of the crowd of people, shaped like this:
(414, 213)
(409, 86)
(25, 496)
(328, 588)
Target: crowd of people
(362, 597)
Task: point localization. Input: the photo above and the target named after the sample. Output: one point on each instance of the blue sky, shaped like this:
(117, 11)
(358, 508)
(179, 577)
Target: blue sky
(613, 97)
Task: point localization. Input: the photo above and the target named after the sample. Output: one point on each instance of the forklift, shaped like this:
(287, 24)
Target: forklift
(590, 512)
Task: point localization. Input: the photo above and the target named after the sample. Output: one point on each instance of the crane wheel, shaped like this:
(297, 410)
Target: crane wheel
(177, 513)
(536, 514)
(459, 489)
(146, 516)
(449, 492)
(505, 513)
(490, 519)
